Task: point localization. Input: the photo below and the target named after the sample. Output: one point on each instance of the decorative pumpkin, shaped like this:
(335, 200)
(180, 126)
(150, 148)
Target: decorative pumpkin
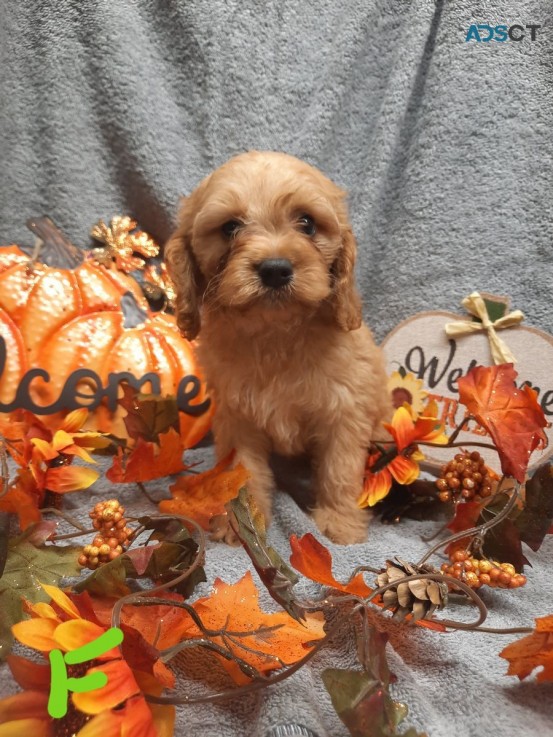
(85, 316)
(41, 298)
(114, 342)
(15, 359)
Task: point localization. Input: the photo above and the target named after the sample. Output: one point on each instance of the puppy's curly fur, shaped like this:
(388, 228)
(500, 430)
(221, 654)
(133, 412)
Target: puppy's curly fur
(287, 358)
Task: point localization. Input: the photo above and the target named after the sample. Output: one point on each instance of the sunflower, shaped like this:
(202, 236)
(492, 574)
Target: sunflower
(404, 387)
(117, 709)
(45, 459)
(401, 460)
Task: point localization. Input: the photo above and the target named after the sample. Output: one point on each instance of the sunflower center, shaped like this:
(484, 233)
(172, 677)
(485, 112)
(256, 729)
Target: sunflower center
(400, 395)
(74, 720)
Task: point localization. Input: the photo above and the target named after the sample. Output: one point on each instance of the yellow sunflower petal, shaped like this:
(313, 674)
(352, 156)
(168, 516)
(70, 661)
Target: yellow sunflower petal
(63, 601)
(438, 436)
(91, 440)
(375, 488)
(106, 724)
(76, 450)
(61, 440)
(75, 420)
(164, 719)
(76, 632)
(431, 409)
(44, 610)
(37, 634)
(402, 427)
(44, 448)
(404, 470)
(70, 478)
(121, 686)
(35, 727)
(405, 387)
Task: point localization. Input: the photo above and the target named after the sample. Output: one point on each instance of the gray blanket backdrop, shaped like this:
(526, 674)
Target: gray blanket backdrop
(446, 149)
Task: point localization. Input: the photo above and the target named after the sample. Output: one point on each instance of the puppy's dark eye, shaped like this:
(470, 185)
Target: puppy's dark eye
(230, 228)
(307, 224)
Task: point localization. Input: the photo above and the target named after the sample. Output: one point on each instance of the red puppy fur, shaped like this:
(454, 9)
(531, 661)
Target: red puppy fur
(263, 262)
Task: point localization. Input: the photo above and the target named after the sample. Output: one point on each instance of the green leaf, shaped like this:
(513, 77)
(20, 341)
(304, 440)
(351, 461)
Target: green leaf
(371, 651)
(108, 579)
(161, 563)
(169, 529)
(26, 568)
(277, 575)
(364, 704)
(347, 688)
(535, 519)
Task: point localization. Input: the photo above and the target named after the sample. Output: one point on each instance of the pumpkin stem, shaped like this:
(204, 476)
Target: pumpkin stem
(132, 313)
(58, 250)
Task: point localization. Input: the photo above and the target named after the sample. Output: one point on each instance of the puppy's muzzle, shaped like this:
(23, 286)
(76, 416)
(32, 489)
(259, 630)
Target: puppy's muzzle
(275, 272)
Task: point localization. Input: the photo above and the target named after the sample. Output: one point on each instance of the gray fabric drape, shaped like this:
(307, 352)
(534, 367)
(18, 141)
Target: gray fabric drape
(445, 147)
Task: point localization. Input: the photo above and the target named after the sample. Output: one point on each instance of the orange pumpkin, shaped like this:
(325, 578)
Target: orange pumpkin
(43, 298)
(63, 319)
(107, 343)
(15, 359)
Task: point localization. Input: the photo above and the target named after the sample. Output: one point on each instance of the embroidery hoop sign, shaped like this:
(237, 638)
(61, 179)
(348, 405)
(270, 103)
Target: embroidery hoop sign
(420, 345)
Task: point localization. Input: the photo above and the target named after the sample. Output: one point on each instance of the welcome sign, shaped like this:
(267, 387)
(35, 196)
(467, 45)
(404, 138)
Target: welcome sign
(422, 347)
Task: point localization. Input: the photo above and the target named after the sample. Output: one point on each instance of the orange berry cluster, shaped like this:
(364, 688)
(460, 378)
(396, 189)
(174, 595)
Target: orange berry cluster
(112, 538)
(475, 572)
(465, 476)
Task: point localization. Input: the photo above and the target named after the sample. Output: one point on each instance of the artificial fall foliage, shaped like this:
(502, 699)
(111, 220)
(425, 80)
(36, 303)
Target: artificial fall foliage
(512, 416)
(531, 652)
(256, 647)
(527, 523)
(45, 461)
(313, 560)
(148, 460)
(203, 496)
(276, 639)
(279, 579)
(117, 708)
(26, 563)
(122, 240)
(400, 462)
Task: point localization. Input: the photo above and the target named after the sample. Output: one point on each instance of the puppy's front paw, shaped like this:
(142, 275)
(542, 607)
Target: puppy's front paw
(344, 528)
(220, 530)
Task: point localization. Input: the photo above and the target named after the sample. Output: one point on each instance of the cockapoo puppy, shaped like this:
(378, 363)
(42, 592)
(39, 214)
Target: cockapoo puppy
(263, 263)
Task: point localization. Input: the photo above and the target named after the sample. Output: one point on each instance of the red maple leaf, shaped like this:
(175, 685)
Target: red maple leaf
(512, 416)
(531, 652)
(311, 558)
(148, 460)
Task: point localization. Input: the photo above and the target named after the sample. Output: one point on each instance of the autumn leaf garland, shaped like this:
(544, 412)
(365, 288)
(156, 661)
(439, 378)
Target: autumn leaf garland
(512, 416)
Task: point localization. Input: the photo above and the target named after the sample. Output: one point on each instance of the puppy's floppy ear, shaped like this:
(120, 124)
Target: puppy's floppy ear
(185, 272)
(345, 298)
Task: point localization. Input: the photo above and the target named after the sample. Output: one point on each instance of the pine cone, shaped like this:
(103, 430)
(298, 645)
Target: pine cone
(420, 597)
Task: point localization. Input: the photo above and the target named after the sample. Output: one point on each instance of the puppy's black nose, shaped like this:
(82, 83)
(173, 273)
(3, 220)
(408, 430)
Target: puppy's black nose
(275, 272)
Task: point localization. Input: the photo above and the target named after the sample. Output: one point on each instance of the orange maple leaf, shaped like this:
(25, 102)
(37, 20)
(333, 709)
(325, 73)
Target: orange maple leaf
(533, 651)
(148, 460)
(466, 515)
(161, 625)
(204, 495)
(22, 498)
(512, 416)
(235, 608)
(311, 558)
